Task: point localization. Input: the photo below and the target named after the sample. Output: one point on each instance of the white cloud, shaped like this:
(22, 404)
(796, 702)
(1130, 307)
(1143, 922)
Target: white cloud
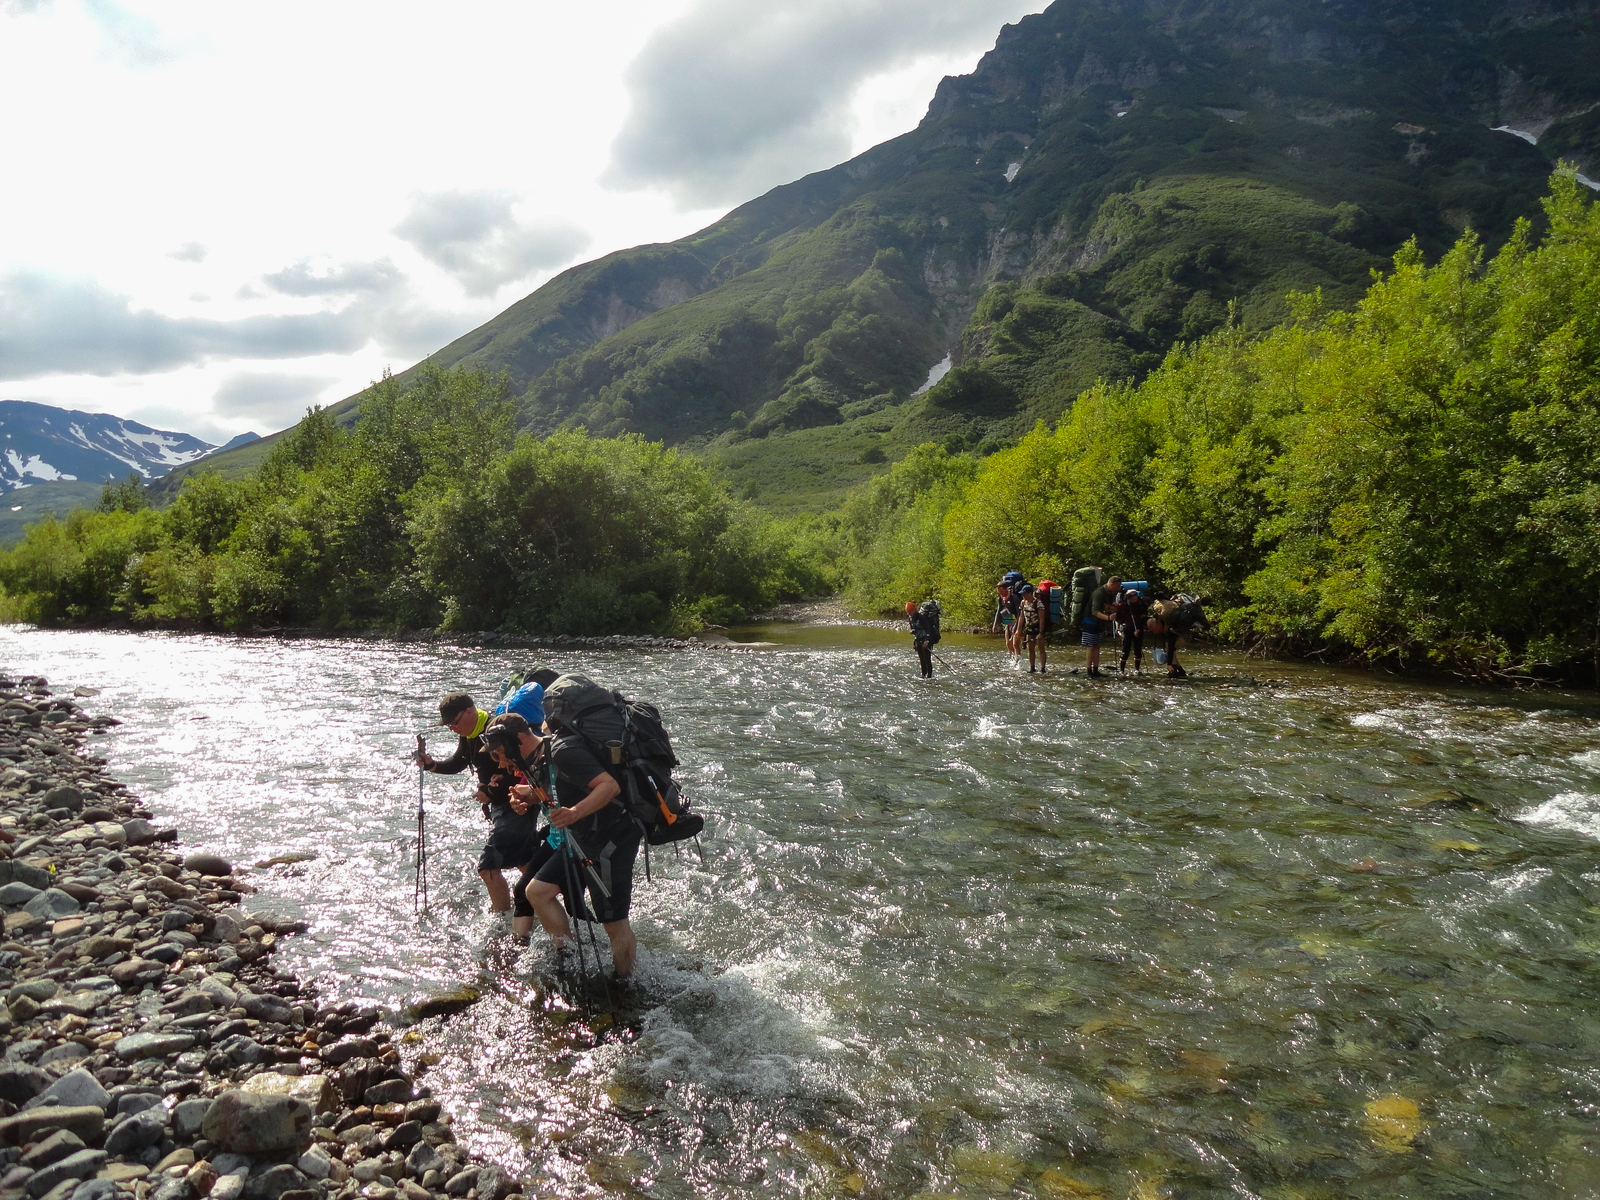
(51, 324)
(192, 252)
(476, 237)
(271, 400)
(735, 98)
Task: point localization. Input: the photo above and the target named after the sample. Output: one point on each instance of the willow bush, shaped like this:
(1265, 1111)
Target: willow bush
(1417, 479)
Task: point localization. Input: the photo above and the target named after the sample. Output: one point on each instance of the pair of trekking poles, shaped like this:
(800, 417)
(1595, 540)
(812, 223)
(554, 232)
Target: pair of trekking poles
(562, 840)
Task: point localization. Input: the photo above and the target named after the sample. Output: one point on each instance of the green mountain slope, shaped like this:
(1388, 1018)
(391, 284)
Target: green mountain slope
(1110, 180)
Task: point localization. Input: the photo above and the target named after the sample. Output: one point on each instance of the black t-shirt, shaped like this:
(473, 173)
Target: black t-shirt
(576, 764)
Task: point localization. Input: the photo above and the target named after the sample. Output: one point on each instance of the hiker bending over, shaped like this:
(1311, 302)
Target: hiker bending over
(459, 714)
(1098, 622)
(512, 760)
(1130, 618)
(1033, 614)
(587, 809)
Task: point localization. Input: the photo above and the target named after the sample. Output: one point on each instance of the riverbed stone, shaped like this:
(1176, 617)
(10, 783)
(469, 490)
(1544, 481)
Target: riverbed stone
(267, 1008)
(152, 1045)
(74, 1088)
(52, 904)
(138, 832)
(52, 1149)
(78, 1165)
(21, 1082)
(134, 1133)
(16, 894)
(245, 1123)
(64, 1053)
(390, 1091)
(134, 1102)
(271, 1182)
(220, 992)
(100, 945)
(137, 970)
(207, 864)
(316, 1090)
(172, 1189)
(66, 796)
(342, 1052)
(228, 1187)
(96, 1189)
(188, 1116)
(22, 924)
(84, 1120)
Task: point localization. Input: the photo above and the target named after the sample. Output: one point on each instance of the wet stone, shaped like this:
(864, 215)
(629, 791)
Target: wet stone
(207, 864)
(21, 1082)
(152, 1045)
(16, 894)
(134, 1133)
(251, 1124)
(53, 1149)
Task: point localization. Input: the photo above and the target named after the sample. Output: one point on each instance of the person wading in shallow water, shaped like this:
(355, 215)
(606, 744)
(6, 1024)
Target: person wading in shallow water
(587, 798)
(1098, 623)
(924, 622)
(1032, 614)
(462, 717)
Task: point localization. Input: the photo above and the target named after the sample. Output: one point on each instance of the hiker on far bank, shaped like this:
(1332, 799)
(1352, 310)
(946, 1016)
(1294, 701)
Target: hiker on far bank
(924, 622)
(1098, 622)
(1033, 614)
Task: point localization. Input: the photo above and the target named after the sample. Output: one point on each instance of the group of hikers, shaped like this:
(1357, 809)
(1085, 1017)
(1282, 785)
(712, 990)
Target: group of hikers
(597, 769)
(1096, 607)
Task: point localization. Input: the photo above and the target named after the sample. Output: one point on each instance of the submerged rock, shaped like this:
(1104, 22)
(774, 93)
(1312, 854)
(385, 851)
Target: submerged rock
(445, 1003)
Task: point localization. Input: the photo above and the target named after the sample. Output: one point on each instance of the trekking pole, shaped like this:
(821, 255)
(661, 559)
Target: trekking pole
(941, 658)
(419, 882)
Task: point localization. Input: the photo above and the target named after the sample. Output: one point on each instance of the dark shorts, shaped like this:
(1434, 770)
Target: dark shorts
(510, 845)
(613, 853)
(1092, 636)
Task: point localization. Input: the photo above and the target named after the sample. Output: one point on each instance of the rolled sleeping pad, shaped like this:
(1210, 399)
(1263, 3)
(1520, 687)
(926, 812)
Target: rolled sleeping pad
(1138, 585)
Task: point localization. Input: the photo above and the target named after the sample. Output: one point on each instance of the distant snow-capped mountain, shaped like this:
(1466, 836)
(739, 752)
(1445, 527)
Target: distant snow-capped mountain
(40, 443)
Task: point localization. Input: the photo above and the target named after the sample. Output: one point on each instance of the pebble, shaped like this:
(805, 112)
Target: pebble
(149, 1041)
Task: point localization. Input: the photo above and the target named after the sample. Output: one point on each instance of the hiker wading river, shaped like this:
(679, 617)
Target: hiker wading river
(986, 935)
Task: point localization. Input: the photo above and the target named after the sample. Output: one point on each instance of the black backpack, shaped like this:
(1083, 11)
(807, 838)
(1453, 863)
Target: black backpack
(928, 613)
(608, 721)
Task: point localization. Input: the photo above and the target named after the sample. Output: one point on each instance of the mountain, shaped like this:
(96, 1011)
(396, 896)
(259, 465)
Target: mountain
(1115, 177)
(45, 444)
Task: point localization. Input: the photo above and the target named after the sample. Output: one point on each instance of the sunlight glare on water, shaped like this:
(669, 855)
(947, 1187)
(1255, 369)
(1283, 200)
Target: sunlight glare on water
(987, 936)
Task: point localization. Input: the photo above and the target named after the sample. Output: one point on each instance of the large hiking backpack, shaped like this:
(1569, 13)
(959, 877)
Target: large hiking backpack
(645, 758)
(1012, 580)
(1050, 593)
(1084, 582)
(929, 612)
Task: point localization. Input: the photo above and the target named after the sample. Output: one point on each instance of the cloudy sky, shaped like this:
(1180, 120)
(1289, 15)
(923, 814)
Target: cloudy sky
(217, 214)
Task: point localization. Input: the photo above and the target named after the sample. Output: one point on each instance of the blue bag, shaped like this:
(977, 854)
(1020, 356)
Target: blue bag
(527, 702)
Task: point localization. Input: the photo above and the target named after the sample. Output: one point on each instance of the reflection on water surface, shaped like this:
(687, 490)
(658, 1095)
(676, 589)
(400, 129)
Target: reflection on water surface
(989, 936)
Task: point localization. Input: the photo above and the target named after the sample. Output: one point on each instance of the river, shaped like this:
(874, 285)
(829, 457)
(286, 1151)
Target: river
(1284, 931)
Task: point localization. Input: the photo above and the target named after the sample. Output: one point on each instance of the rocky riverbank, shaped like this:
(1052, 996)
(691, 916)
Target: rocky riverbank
(152, 1049)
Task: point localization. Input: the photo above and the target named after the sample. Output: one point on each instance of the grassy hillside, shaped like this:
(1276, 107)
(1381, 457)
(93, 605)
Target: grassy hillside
(23, 507)
(1111, 180)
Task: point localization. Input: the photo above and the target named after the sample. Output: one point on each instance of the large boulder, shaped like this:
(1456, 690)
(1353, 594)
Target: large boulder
(243, 1123)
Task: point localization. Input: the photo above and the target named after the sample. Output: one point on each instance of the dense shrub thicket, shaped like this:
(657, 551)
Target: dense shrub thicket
(427, 512)
(1418, 479)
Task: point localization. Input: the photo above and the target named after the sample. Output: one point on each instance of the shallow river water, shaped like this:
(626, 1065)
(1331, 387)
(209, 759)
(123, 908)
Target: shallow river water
(1281, 932)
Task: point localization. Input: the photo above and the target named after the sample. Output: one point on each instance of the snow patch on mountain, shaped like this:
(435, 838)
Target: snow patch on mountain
(42, 443)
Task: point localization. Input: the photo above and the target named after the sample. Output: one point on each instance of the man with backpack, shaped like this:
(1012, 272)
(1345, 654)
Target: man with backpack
(510, 842)
(1097, 621)
(599, 837)
(924, 622)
